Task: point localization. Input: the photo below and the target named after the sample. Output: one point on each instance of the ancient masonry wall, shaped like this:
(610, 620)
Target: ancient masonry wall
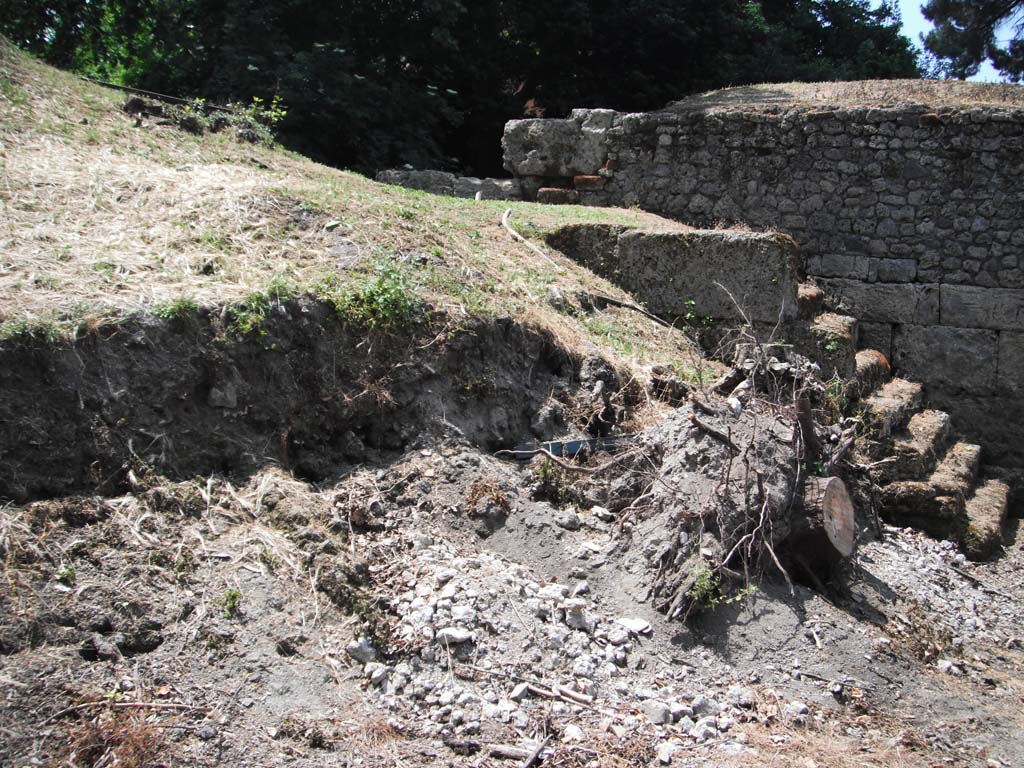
(912, 217)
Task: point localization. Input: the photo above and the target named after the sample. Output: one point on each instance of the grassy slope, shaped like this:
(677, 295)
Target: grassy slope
(102, 219)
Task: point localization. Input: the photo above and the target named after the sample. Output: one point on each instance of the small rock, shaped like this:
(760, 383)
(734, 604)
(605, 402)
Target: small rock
(520, 692)
(575, 615)
(572, 733)
(657, 711)
(666, 750)
(376, 672)
(207, 732)
(603, 514)
(583, 588)
(702, 705)
(795, 709)
(568, 519)
(464, 614)
(361, 650)
(454, 636)
(618, 636)
(739, 696)
(636, 626)
(703, 731)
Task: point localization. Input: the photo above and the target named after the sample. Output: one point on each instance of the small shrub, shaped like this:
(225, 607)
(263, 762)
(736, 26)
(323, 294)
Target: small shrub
(382, 300)
(257, 122)
(706, 591)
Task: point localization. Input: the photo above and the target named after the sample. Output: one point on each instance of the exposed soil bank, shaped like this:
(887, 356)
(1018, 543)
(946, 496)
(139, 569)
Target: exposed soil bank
(190, 396)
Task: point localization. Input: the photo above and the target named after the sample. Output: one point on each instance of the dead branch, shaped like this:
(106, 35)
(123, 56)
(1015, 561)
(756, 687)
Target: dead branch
(523, 240)
(719, 436)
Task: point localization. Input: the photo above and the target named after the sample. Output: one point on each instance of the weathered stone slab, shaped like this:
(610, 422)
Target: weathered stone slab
(888, 302)
(436, 182)
(667, 271)
(968, 306)
(1011, 363)
(950, 358)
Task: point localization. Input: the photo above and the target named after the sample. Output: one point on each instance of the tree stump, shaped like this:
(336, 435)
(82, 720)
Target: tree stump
(826, 531)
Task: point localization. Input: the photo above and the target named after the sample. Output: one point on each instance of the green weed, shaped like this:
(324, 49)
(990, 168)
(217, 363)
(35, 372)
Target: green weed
(706, 591)
(24, 330)
(181, 308)
(247, 316)
(381, 300)
(65, 575)
(231, 602)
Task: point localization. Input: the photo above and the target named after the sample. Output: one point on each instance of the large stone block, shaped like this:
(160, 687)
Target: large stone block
(888, 302)
(667, 271)
(436, 182)
(1011, 363)
(553, 148)
(969, 306)
(954, 359)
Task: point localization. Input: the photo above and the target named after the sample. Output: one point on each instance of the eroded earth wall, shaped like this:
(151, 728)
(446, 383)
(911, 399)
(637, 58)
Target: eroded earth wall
(913, 217)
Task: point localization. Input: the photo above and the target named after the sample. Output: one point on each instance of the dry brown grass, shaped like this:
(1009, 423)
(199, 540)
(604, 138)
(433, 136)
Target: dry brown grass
(112, 738)
(868, 93)
(101, 219)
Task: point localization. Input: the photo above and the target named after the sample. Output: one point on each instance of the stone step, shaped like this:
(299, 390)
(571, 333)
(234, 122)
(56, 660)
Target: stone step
(830, 340)
(872, 371)
(986, 513)
(888, 408)
(935, 505)
(810, 299)
(917, 448)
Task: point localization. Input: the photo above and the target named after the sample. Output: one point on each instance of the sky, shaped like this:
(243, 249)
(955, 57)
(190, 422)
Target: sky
(914, 24)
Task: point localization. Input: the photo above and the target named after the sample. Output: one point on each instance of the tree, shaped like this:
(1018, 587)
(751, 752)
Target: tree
(377, 83)
(966, 35)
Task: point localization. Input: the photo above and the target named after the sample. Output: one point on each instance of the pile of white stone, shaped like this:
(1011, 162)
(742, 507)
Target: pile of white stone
(478, 646)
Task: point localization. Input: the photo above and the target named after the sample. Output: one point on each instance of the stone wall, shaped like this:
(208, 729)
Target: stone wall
(912, 217)
(443, 183)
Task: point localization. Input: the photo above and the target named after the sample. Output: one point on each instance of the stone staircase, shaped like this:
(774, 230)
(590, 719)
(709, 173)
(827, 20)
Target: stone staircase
(930, 479)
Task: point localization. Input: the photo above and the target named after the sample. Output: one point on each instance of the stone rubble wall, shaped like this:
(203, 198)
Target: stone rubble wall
(912, 217)
(442, 183)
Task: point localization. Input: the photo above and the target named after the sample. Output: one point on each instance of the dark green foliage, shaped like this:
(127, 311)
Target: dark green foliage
(432, 82)
(969, 32)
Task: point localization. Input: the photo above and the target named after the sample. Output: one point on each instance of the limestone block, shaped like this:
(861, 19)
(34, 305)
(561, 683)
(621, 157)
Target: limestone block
(967, 306)
(554, 148)
(888, 302)
(1011, 362)
(897, 270)
(950, 358)
(437, 182)
(875, 336)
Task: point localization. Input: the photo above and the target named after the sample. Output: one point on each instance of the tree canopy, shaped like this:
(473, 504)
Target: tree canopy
(376, 83)
(967, 33)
